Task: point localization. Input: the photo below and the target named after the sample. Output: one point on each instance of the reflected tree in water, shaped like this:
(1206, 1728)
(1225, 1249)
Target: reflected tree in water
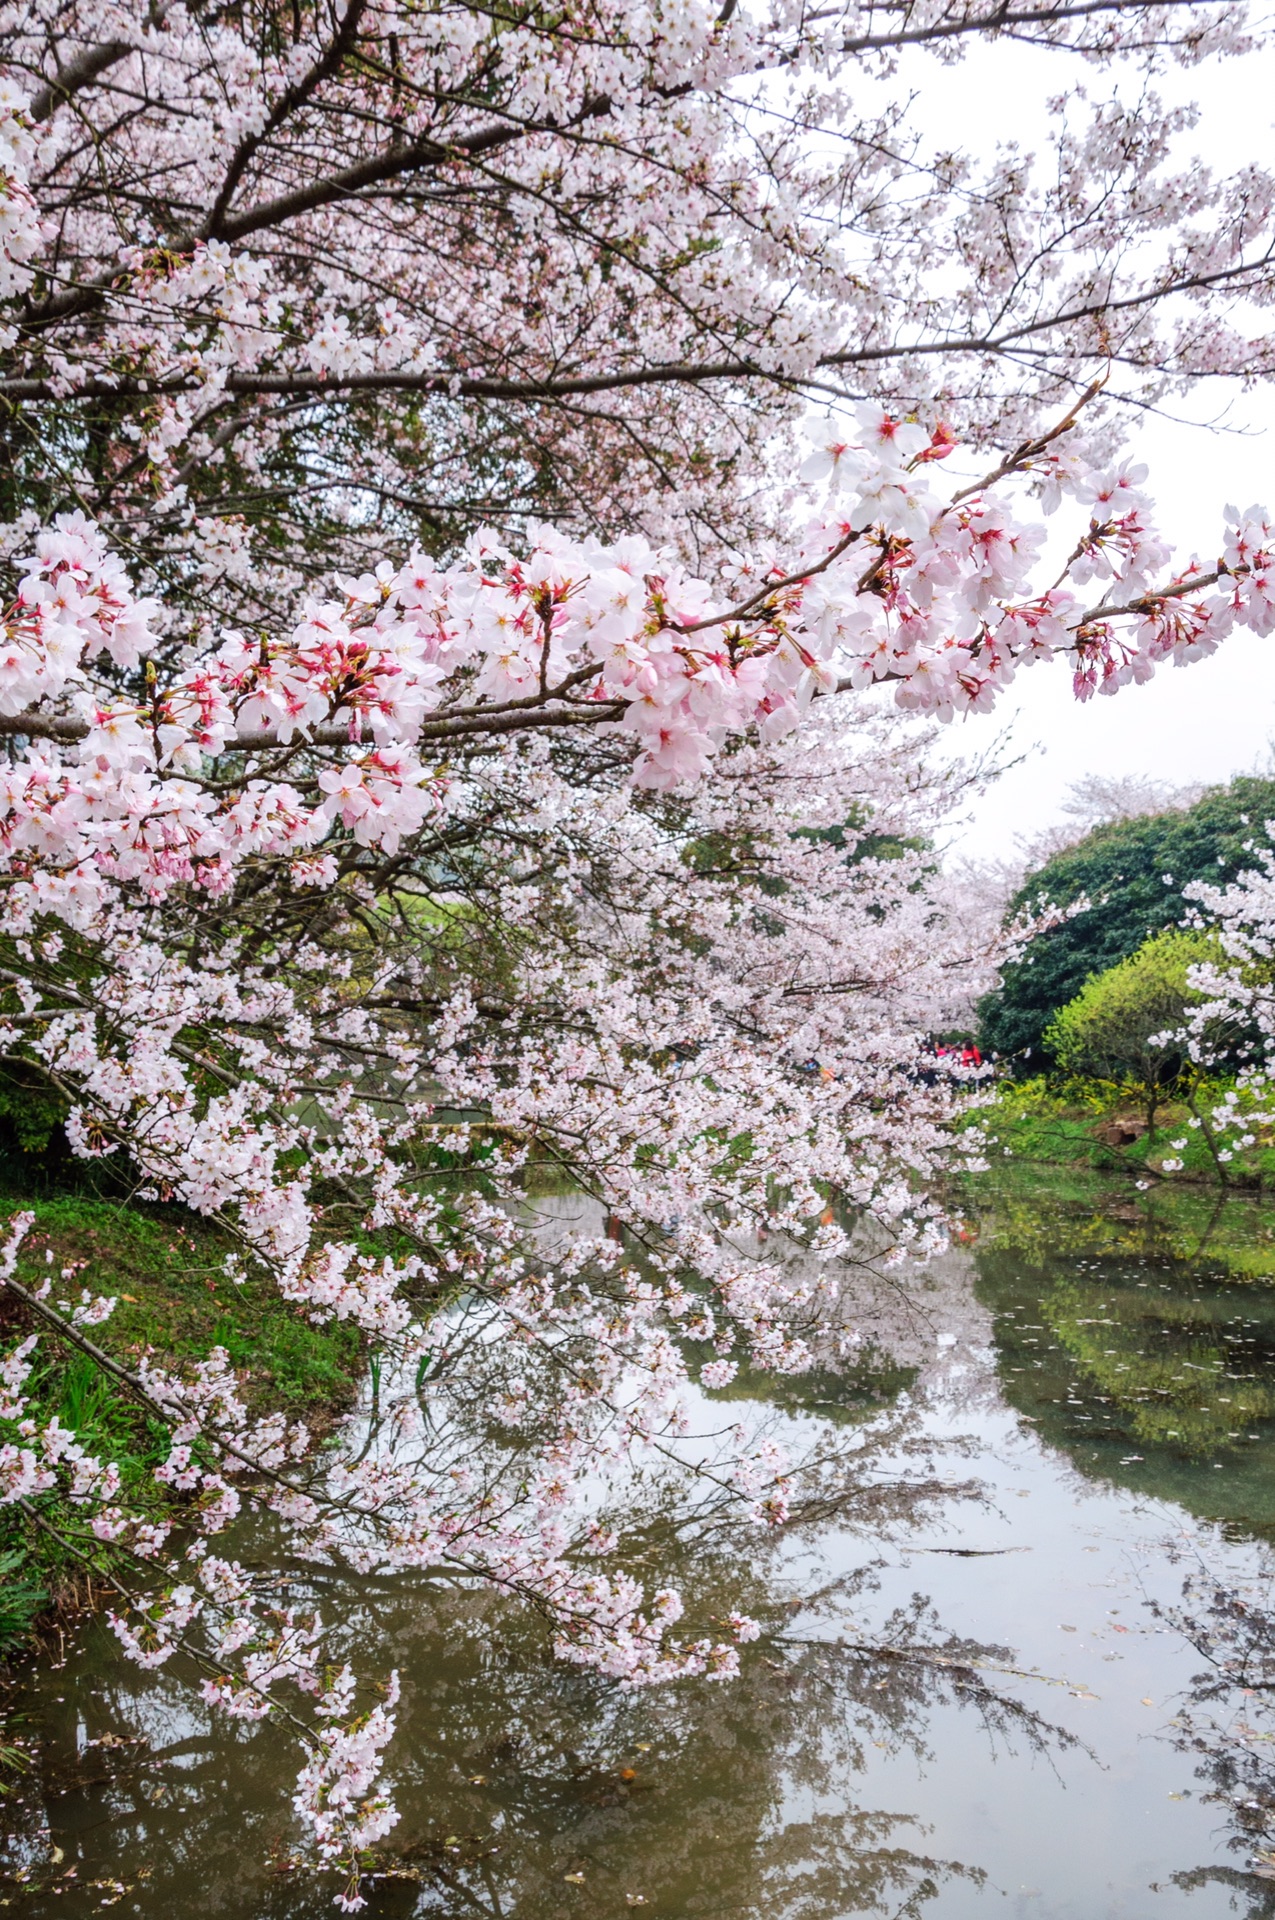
(532, 1792)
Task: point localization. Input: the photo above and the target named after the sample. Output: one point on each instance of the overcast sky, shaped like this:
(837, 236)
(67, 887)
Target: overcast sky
(1200, 723)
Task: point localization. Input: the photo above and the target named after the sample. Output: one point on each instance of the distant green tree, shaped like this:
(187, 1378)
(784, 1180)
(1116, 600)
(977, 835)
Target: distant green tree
(1120, 1029)
(1133, 871)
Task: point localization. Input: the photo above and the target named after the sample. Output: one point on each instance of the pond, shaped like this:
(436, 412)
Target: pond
(1072, 1423)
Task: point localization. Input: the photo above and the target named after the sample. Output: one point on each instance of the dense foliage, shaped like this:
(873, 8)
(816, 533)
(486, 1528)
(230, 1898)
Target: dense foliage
(1133, 874)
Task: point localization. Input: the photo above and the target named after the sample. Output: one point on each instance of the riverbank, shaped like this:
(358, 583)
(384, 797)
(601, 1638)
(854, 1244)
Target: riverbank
(176, 1303)
(1075, 1124)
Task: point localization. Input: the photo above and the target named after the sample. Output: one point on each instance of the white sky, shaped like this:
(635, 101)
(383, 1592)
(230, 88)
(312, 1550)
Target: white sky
(1216, 718)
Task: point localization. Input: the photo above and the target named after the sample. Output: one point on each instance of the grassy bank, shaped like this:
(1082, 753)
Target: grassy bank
(1075, 1124)
(175, 1302)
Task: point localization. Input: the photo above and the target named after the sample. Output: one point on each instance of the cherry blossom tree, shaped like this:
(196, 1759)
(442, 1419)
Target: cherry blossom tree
(466, 677)
(1229, 1035)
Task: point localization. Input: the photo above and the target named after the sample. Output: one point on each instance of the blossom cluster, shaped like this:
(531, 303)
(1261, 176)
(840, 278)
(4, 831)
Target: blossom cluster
(891, 583)
(22, 232)
(201, 1067)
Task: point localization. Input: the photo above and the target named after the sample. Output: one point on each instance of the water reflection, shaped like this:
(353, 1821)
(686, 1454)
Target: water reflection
(1097, 1383)
(1149, 1369)
(526, 1790)
(534, 1790)
(1226, 1722)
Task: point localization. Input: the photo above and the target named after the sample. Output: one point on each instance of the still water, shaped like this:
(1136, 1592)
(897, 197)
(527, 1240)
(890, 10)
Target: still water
(1072, 1417)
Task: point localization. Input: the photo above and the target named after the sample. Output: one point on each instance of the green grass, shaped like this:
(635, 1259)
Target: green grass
(175, 1302)
(174, 1296)
(22, 1598)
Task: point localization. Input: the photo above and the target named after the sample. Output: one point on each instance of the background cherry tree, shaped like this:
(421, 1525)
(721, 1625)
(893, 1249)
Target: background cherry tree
(492, 504)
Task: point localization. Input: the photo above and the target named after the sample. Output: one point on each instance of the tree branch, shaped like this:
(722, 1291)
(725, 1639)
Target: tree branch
(215, 227)
(68, 729)
(78, 73)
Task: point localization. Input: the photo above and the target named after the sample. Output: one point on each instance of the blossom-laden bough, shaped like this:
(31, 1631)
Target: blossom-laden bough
(358, 866)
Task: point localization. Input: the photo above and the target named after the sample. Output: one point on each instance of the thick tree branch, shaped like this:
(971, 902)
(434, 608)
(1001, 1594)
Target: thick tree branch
(296, 383)
(68, 729)
(996, 20)
(288, 102)
(87, 66)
